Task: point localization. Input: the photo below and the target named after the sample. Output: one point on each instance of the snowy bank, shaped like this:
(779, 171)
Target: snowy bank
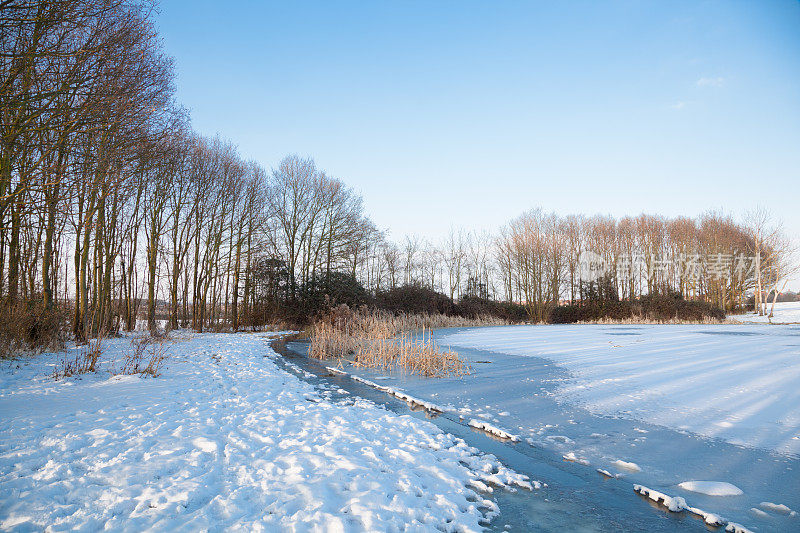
(784, 313)
(225, 439)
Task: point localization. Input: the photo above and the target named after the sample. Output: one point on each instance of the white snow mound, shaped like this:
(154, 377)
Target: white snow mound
(711, 488)
(777, 508)
(485, 426)
(626, 465)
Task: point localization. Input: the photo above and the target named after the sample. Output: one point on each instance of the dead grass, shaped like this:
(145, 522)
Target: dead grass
(382, 340)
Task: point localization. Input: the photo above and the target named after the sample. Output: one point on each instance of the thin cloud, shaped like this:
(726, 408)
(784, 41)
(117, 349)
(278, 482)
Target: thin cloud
(719, 81)
(678, 105)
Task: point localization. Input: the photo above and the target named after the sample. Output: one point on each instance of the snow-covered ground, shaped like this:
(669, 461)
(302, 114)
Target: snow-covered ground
(224, 439)
(784, 313)
(706, 414)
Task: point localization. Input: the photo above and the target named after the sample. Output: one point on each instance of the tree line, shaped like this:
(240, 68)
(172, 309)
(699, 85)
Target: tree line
(542, 258)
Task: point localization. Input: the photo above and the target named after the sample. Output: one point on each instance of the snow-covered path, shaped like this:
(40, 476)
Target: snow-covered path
(224, 440)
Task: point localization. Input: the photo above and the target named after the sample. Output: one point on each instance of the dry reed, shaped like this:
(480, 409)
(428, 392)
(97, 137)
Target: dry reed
(382, 340)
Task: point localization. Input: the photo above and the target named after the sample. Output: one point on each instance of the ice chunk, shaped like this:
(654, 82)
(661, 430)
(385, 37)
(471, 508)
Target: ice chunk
(777, 508)
(493, 430)
(675, 504)
(711, 488)
(625, 465)
(575, 459)
(733, 527)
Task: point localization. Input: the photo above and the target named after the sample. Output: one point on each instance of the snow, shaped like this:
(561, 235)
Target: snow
(627, 465)
(573, 457)
(777, 508)
(784, 313)
(494, 430)
(711, 488)
(225, 439)
(740, 383)
(676, 504)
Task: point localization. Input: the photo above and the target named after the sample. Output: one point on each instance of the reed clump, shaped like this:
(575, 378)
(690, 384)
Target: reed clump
(382, 340)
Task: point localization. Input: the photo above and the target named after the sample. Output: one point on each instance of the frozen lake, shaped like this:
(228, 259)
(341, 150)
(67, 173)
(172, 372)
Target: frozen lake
(664, 406)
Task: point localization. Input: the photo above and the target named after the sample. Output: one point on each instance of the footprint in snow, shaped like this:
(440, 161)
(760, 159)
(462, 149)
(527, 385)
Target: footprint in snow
(205, 445)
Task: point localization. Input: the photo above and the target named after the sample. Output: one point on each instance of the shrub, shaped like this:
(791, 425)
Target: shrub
(415, 299)
(474, 307)
(325, 291)
(30, 326)
(86, 360)
(665, 307)
(146, 355)
(652, 307)
(615, 310)
(564, 314)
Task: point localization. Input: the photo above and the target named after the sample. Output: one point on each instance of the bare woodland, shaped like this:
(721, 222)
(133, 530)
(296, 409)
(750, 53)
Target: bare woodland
(711, 258)
(113, 211)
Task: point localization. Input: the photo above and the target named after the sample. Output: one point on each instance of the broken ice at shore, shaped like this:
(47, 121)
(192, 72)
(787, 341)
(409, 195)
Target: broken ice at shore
(480, 424)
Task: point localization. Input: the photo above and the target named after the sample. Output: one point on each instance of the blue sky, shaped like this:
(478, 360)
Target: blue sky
(468, 113)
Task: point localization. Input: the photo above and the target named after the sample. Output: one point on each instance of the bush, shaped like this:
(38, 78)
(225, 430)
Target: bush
(651, 307)
(30, 326)
(786, 296)
(86, 360)
(565, 314)
(146, 356)
(326, 291)
(415, 299)
(474, 307)
(665, 307)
